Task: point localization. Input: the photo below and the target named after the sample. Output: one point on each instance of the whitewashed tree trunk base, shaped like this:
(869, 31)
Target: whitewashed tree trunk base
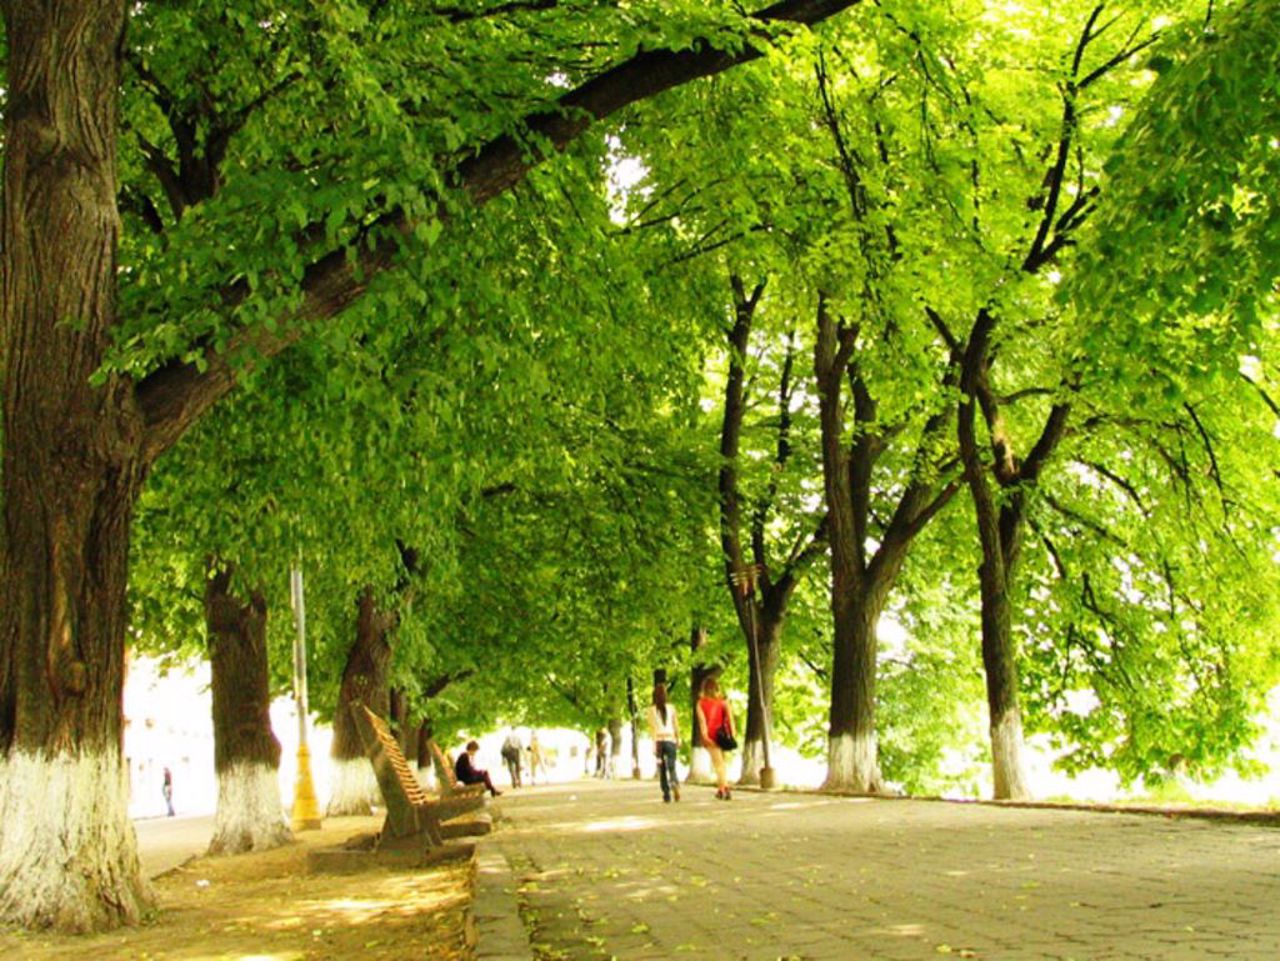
(853, 765)
(700, 769)
(353, 788)
(1007, 766)
(752, 762)
(250, 816)
(427, 778)
(68, 852)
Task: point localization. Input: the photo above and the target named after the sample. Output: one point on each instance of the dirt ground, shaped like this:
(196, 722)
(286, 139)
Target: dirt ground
(268, 907)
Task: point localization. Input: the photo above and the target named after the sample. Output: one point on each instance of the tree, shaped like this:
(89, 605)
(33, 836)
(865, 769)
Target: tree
(246, 752)
(276, 474)
(799, 216)
(1001, 517)
(861, 579)
(760, 590)
(1149, 642)
(365, 680)
(867, 553)
(188, 335)
(1189, 196)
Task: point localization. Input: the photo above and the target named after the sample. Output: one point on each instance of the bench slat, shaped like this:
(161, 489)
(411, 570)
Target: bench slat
(410, 810)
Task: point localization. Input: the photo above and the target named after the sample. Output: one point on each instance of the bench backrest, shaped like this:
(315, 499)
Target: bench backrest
(446, 777)
(411, 812)
(401, 791)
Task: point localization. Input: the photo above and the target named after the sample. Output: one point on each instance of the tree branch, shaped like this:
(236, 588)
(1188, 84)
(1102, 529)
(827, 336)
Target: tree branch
(1045, 247)
(1074, 515)
(739, 337)
(930, 510)
(1120, 482)
(806, 548)
(1266, 398)
(1054, 428)
(953, 345)
(458, 15)
(436, 685)
(1207, 441)
(782, 452)
(175, 396)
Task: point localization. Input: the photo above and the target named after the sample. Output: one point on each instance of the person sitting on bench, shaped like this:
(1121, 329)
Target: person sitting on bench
(467, 771)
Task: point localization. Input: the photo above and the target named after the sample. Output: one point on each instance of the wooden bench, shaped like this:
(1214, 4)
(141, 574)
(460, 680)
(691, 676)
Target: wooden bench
(447, 777)
(412, 814)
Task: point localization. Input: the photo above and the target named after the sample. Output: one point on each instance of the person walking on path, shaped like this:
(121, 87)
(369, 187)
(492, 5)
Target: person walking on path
(167, 789)
(512, 749)
(664, 728)
(715, 723)
(537, 760)
(467, 772)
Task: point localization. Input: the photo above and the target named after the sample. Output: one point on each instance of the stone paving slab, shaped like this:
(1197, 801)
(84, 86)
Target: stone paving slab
(496, 912)
(606, 870)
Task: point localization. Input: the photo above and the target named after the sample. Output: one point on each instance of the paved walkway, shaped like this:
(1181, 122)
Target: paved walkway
(608, 871)
(165, 843)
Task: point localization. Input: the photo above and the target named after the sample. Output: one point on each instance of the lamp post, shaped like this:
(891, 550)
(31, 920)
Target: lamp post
(744, 579)
(306, 812)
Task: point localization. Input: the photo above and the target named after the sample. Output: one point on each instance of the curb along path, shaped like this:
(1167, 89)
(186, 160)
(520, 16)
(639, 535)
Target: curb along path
(606, 870)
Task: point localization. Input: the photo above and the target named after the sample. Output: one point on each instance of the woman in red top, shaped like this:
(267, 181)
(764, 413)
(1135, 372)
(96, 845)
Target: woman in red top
(713, 714)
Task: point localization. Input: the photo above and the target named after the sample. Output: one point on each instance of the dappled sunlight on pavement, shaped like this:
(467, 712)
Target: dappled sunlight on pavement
(608, 870)
(269, 907)
(621, 824)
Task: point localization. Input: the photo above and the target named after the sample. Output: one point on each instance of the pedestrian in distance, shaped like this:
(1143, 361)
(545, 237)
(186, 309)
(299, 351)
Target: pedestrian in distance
(537, 760)
(664, 728)
(602, 752)
(715, 724)
(167, 790)
(467, 772)
(512, 750)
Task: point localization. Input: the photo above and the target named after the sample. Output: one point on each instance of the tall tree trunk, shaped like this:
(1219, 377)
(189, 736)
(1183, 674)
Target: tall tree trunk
(759, 592)
(999, 659)
(73, 465)
(246, 753)
(354, 786)
(426, 769)
(852, 755)
(768, 635)
(699, 760)
(615, 743)
(998, 534)
(1000, 523)
(633, 709)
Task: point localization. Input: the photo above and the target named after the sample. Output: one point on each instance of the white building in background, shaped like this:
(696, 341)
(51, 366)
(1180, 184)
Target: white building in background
(168, 722)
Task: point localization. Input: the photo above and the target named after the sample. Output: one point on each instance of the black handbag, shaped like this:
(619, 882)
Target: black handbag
(725, 740)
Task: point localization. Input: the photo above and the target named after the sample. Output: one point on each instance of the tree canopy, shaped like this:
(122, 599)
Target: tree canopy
(499, 323)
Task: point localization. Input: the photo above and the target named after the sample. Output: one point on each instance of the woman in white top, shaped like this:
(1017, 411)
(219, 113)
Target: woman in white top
(664, 728)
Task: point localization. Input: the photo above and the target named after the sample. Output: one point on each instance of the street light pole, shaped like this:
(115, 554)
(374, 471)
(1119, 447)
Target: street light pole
(306, 811)
(744, 578)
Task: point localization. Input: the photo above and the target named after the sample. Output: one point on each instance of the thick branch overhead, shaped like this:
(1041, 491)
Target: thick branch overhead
(174, 396)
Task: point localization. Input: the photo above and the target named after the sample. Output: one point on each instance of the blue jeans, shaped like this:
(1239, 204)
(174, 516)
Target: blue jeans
(667, 768)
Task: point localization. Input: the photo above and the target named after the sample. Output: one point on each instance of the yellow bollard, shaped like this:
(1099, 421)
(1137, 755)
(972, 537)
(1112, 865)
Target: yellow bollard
(306, 811)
